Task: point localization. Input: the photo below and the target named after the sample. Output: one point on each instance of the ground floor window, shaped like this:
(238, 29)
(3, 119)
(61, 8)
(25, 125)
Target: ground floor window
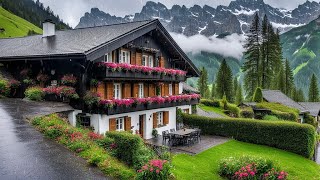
(186, 111)
(160, 118)
(83, 120)
(120, 124)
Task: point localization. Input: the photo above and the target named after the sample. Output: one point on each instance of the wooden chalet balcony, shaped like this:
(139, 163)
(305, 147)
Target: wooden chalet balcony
(134, 72)
(108, 110)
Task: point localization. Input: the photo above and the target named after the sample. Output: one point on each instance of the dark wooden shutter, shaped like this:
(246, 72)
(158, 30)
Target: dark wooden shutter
(112, 124)
(110, 90)
(133, 57)
(138, 58)
(127, 124)
(152, 90)
(162, 62)
(155, 120)
(146, 90)
(135, 90)
(126, 90)
(166, 117)
(102, 90)
(176, 88)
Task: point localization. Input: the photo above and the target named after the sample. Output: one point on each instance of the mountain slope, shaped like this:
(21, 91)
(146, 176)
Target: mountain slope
(208, 21)
(33, 11)
(14, 26)
(302, 47)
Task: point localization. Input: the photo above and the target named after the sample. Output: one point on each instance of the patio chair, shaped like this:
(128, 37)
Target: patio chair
(199, 133)
(172, 130)
(165, 136)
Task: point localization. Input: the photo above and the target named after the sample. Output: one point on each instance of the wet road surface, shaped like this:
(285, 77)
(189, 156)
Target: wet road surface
(26, 154)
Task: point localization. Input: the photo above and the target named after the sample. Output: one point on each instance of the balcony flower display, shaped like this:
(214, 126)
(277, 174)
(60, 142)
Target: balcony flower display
(14, 83)
(106, 103)
(42, 78)
(144, 69)
(61, 91)
(69, 79)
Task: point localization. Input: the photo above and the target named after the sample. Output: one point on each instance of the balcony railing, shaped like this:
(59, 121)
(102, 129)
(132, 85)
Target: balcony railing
(128, 72)
(108, 108)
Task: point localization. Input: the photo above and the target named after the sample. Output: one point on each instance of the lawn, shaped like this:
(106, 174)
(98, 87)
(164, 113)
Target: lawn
(213, 109)
(205, 164)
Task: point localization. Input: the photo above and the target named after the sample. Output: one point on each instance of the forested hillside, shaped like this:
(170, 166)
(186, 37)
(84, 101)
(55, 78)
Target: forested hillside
(14, 26)
(33, 12)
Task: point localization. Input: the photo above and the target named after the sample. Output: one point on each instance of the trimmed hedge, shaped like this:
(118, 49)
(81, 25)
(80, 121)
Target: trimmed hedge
(294, 137)
(288, 116)
(213, 103)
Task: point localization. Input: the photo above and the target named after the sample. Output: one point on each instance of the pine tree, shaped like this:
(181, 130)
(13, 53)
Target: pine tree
(281, 81)
(265, 50)
(313, 90)
(239, 95)
(235, 85)
(300, 96)
(252, 57)
(213, 91)
(258, 97)
(289, 81)
(224, 85)
(203, 82)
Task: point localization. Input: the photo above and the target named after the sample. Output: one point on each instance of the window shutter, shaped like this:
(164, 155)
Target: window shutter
(126, 90)
(128, 57)
(133, 57)
(112, 124)
(155, 121)
(120, 56)
(135, 90)
(110, 90)
(138, 59)
(176, 88)
(127, 123)
(152, 90)
(166, 89)
(163, 90)
(146, 90)
(166, 117)
(102, 90)
(162, 62)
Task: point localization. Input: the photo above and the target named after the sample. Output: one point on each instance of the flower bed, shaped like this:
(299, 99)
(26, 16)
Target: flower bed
(128, 70)
(117, 106)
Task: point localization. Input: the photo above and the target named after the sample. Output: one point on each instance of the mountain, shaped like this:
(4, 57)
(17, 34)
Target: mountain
(33, 11)
(302, 47)
(209, 21)
(14, 26)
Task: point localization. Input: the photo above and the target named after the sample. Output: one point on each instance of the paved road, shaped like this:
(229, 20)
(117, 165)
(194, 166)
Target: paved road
(26, 154)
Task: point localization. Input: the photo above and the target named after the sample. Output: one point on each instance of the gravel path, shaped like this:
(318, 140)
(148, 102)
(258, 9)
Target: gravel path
(202, 112)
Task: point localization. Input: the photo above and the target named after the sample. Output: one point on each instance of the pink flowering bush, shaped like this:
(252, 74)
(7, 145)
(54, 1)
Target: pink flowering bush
(69, 79)
(156, 169)
(61, 91)
(250, 168)
(14, 83)
(144, 69)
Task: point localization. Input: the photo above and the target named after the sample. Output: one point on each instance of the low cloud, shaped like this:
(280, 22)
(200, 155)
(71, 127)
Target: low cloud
(230, 46)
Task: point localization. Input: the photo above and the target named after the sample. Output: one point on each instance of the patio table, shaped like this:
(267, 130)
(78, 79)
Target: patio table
(183, 132)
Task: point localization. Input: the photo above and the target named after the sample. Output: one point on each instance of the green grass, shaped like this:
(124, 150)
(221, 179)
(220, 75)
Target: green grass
(213, 109)
(205, 164)
(15, 26)
(278, 107)
(297, 69)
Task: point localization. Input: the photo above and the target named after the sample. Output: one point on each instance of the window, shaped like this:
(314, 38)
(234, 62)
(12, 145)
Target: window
(117, 91)
(124, 57)
(108, 57)
(160, 118)
(150, 62)
(120, 124)
(141, 89)
(83, 120)
(170, 89)
(144, 60)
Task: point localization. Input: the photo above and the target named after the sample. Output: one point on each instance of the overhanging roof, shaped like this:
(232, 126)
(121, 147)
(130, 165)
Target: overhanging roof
(89, 43)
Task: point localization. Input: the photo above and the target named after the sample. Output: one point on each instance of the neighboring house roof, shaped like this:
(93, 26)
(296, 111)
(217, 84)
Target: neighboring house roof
(90, 43)
(247, 104)
(277, 96)
(188, 88)
(312, 107)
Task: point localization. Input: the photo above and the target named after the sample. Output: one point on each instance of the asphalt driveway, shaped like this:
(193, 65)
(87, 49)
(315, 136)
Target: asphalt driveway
(26, 154)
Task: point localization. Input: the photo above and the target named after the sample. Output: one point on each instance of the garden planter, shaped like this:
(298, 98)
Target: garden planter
(139, 107)
(194, 101)
(65, 99)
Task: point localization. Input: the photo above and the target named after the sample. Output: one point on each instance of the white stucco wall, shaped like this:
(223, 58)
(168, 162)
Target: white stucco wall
(101, 122)
(180, 88)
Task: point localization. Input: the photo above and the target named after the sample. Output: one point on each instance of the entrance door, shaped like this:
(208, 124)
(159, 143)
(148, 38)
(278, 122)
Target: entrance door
(141, 125)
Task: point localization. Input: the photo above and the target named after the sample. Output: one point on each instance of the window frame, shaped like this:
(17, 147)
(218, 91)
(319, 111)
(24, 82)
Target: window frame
(150, 61)
(117, 91)
(141, 90)
(120, 124)
(144, 62)
(170, 89)
(160, 118)
(108, 57)
(124, 56)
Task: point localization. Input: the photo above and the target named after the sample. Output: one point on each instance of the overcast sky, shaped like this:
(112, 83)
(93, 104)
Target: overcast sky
(72, 10)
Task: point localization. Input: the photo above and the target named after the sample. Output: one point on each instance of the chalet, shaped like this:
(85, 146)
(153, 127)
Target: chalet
(137, 67)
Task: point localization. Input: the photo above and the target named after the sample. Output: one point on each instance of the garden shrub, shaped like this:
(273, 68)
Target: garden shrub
(247, 113)
(270, 118)
(156, 170)
(233, 109)
(34, 93)
(130, 148)
(288, 116)
(248, 167)
(4, 88)
(54, 132)
(310, 120)
(257, 96)
(105, 142)
(294, 137)
(213, 103)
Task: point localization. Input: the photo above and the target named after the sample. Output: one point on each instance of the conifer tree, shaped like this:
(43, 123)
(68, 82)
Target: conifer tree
(213, 91)
(258, 97)
(252, 57)
(203, 82)
(289, 81)
(224, 84)
(239, 95)
(235, 85)
(300, 96)
(281, 80)
(313, 90)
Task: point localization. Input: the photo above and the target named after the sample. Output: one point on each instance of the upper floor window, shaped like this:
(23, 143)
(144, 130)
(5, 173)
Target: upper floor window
(141, 89)
(117, 90)
(144, 60)
(108, 57)
(150, 62)
(124, 57)
(120, 124)
(160, 118)
(170, 89)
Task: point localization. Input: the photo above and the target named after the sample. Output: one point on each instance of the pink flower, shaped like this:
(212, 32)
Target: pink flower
(157, 171)
(151, 169)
